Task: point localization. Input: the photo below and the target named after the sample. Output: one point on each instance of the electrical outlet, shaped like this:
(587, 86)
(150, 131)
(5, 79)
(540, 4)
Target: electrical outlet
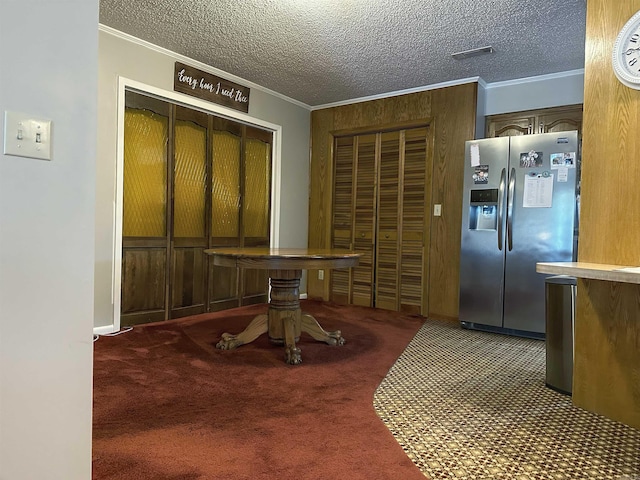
(320, 274)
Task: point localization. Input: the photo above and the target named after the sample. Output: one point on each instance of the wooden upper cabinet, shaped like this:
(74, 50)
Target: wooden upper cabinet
(557, 119)
(561, 121)
(510, 125)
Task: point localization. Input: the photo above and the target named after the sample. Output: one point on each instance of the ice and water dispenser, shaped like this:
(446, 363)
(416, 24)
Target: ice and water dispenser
(483, 209)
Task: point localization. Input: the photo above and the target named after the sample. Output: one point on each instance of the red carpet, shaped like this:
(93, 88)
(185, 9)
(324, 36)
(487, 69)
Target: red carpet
(168, 405)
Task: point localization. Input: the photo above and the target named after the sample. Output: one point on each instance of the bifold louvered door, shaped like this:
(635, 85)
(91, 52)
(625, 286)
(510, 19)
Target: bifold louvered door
(382, 190)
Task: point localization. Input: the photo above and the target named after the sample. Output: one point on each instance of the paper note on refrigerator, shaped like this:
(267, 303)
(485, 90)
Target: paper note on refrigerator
(538, 191)
(563, 174)
(474, 151)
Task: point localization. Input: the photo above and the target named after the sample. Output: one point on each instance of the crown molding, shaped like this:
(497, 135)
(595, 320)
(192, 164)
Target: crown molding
(538, 78)
(198, 64)
(401, 92)
(234, 78)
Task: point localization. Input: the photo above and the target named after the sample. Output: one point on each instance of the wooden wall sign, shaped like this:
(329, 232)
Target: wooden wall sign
(208, 87)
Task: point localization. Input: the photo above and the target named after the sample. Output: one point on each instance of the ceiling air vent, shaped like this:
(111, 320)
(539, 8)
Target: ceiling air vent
(472, 53)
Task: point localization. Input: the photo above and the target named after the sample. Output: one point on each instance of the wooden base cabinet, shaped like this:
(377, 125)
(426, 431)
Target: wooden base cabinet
(381, 198)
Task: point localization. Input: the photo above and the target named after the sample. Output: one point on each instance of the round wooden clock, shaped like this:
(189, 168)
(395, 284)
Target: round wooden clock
(626, 53)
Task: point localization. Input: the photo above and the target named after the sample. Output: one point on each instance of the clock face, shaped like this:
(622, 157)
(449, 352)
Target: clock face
(626, 53)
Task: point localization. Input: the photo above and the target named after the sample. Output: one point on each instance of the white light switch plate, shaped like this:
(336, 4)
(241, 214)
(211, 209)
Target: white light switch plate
(437, 210)
(27, 136)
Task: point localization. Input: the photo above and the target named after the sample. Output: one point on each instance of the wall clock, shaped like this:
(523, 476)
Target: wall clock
(626, 53)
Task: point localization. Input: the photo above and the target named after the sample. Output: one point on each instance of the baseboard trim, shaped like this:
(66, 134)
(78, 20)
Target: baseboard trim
(104, 330)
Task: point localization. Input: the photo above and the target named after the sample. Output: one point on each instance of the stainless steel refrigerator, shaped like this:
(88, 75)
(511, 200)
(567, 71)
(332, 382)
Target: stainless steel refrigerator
(519, 207)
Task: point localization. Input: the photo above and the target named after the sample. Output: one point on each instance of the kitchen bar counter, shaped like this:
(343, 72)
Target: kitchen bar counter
(592, 271)
(606, 363)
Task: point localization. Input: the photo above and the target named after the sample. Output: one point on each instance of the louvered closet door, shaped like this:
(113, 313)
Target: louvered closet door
(403, 221)
(354, 216)
(389, 210)
(364, 218)
(381, 198)
(342, 220)
(415, 221)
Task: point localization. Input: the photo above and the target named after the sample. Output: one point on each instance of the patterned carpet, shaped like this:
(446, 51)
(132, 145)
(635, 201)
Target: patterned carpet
(471, 405)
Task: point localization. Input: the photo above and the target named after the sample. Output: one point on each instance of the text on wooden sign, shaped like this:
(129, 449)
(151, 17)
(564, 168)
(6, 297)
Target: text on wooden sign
(209, 87)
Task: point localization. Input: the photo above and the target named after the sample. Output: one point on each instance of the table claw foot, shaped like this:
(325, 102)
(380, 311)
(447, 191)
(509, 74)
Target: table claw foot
(292, 355)
(228, 342)
(335, 338)
(313, 328)
(257, 327)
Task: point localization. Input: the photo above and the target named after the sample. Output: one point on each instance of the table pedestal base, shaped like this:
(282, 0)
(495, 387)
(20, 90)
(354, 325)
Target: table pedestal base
(284, 320)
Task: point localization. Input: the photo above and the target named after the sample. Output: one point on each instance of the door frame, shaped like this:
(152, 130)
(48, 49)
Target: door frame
(126, 84)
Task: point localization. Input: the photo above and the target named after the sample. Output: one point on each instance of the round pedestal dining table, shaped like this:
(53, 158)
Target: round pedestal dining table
(284, 321)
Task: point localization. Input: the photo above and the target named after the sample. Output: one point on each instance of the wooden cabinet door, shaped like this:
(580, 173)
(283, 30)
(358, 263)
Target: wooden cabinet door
(556, 119)
(561, 120)
(511, 125)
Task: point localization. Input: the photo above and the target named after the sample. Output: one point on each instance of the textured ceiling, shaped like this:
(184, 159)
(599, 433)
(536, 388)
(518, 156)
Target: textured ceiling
(325, 51)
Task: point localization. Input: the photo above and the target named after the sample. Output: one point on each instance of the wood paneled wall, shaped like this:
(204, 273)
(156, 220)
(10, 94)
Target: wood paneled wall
(607, 336)
(451, 113)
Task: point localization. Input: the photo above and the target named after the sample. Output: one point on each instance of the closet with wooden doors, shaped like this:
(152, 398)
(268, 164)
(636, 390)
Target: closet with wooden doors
(381, 198)
(191, 181)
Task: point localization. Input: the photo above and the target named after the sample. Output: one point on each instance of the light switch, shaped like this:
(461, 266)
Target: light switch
(437, 210)
(27, 136)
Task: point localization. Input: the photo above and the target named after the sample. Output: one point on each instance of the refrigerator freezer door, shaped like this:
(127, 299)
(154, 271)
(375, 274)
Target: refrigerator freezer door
(482, 243)
(539, 233)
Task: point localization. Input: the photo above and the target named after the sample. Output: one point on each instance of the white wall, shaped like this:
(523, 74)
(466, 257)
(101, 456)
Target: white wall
(49, 69)
(565, 88)
(123, 56)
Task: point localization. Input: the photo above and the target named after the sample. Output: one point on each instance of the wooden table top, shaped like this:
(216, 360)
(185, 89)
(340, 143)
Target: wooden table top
(283, 258)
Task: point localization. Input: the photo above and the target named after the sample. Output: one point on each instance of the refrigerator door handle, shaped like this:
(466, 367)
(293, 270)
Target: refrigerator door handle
(510, 196)
(501, 189)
